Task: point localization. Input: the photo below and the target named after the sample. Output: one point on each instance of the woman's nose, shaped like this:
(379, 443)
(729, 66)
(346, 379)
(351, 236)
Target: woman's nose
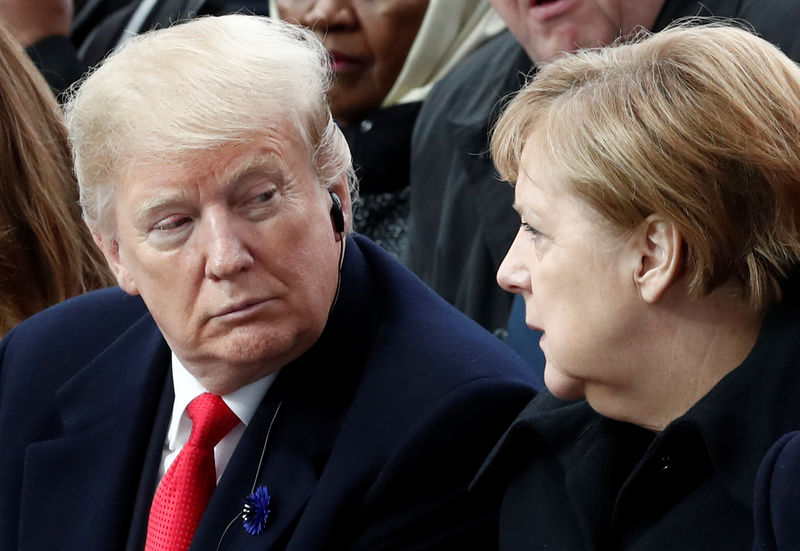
(512, 274)
(325, 15)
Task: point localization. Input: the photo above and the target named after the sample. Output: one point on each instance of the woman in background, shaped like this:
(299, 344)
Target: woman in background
(386, 56)
(658, 186)
(46, 252)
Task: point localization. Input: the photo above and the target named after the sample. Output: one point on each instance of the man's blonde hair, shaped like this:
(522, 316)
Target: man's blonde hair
(195, 87)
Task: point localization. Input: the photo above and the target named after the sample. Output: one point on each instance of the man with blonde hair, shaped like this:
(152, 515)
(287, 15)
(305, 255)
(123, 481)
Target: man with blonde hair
(263, 378)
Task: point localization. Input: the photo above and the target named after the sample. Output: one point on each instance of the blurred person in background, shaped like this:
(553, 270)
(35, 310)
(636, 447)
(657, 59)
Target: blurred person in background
(65, 38)
(777, 499)
(386, 56)
(46, 252)
(657, 186)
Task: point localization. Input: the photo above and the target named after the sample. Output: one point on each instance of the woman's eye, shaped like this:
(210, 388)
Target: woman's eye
(530, 229)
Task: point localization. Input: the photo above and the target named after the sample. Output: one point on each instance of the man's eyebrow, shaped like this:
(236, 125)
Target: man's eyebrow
(266, 162)
(153, 204)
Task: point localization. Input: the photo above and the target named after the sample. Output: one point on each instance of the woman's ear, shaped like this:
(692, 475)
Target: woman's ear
(660, 249)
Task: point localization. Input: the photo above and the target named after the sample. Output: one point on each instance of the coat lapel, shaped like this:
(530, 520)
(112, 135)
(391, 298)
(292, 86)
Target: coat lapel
(150, 469)
(294, 455)
(108, 411)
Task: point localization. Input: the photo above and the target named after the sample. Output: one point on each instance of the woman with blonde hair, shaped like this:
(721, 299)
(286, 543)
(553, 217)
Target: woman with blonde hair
(46, 253)
(658, 187)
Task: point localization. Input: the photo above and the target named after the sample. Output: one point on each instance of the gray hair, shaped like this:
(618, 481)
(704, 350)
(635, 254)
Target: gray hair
(195, 87)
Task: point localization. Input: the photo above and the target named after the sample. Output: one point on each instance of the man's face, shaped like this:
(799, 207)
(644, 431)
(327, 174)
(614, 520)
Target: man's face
(547, 28)
(234, 253)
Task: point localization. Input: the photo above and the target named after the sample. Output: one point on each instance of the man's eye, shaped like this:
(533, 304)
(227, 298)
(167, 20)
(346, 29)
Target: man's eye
(263, 197)
(171, 223)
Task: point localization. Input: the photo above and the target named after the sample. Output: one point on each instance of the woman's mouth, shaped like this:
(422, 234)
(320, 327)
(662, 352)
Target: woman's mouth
(342, 63)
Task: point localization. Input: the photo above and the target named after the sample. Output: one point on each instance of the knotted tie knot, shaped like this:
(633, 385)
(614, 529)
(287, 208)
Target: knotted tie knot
(211, 419)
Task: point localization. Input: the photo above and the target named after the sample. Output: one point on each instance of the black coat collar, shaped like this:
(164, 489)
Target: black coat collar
(723, 436)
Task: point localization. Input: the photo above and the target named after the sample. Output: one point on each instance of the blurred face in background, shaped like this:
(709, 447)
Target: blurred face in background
(547, 28)
(368, 40)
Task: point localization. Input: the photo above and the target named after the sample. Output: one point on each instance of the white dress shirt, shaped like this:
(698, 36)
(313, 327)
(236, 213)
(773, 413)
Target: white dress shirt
(242, 402)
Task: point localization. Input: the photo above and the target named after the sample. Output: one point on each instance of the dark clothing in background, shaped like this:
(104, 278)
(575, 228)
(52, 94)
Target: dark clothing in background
(461, 221)
(381, 148)
(90, 13)
(777, 501)
(97, 29)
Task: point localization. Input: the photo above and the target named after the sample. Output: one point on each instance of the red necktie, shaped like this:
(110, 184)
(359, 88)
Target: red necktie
(186, 488)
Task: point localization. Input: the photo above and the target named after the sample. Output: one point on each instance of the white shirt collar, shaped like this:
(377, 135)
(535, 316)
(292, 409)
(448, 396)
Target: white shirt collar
(243, 402)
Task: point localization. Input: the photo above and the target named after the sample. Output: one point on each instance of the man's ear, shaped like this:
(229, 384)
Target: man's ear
(659, 246)
(110, 248)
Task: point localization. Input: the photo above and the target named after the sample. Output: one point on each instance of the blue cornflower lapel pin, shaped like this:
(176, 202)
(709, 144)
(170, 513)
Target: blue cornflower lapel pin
(255, 512)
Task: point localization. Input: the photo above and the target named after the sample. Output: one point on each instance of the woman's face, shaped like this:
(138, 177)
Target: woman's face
(368, 40)
(575, 274)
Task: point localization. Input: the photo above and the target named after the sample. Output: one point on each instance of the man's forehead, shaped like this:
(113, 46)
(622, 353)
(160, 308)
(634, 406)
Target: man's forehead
(187, 145)
(223, 165)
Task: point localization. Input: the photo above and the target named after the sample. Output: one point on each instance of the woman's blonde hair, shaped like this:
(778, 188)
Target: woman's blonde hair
(46, 252)
(698, 123)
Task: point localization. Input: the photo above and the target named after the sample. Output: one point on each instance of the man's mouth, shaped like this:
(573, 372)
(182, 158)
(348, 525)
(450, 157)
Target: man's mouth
(241, 306)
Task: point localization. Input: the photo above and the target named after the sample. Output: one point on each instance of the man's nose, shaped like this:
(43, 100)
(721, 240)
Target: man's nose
(227, 253)
(326, 15)
(512, 274)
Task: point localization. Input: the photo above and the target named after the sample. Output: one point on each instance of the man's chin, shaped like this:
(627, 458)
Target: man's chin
(236, 353)
(259, 344)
